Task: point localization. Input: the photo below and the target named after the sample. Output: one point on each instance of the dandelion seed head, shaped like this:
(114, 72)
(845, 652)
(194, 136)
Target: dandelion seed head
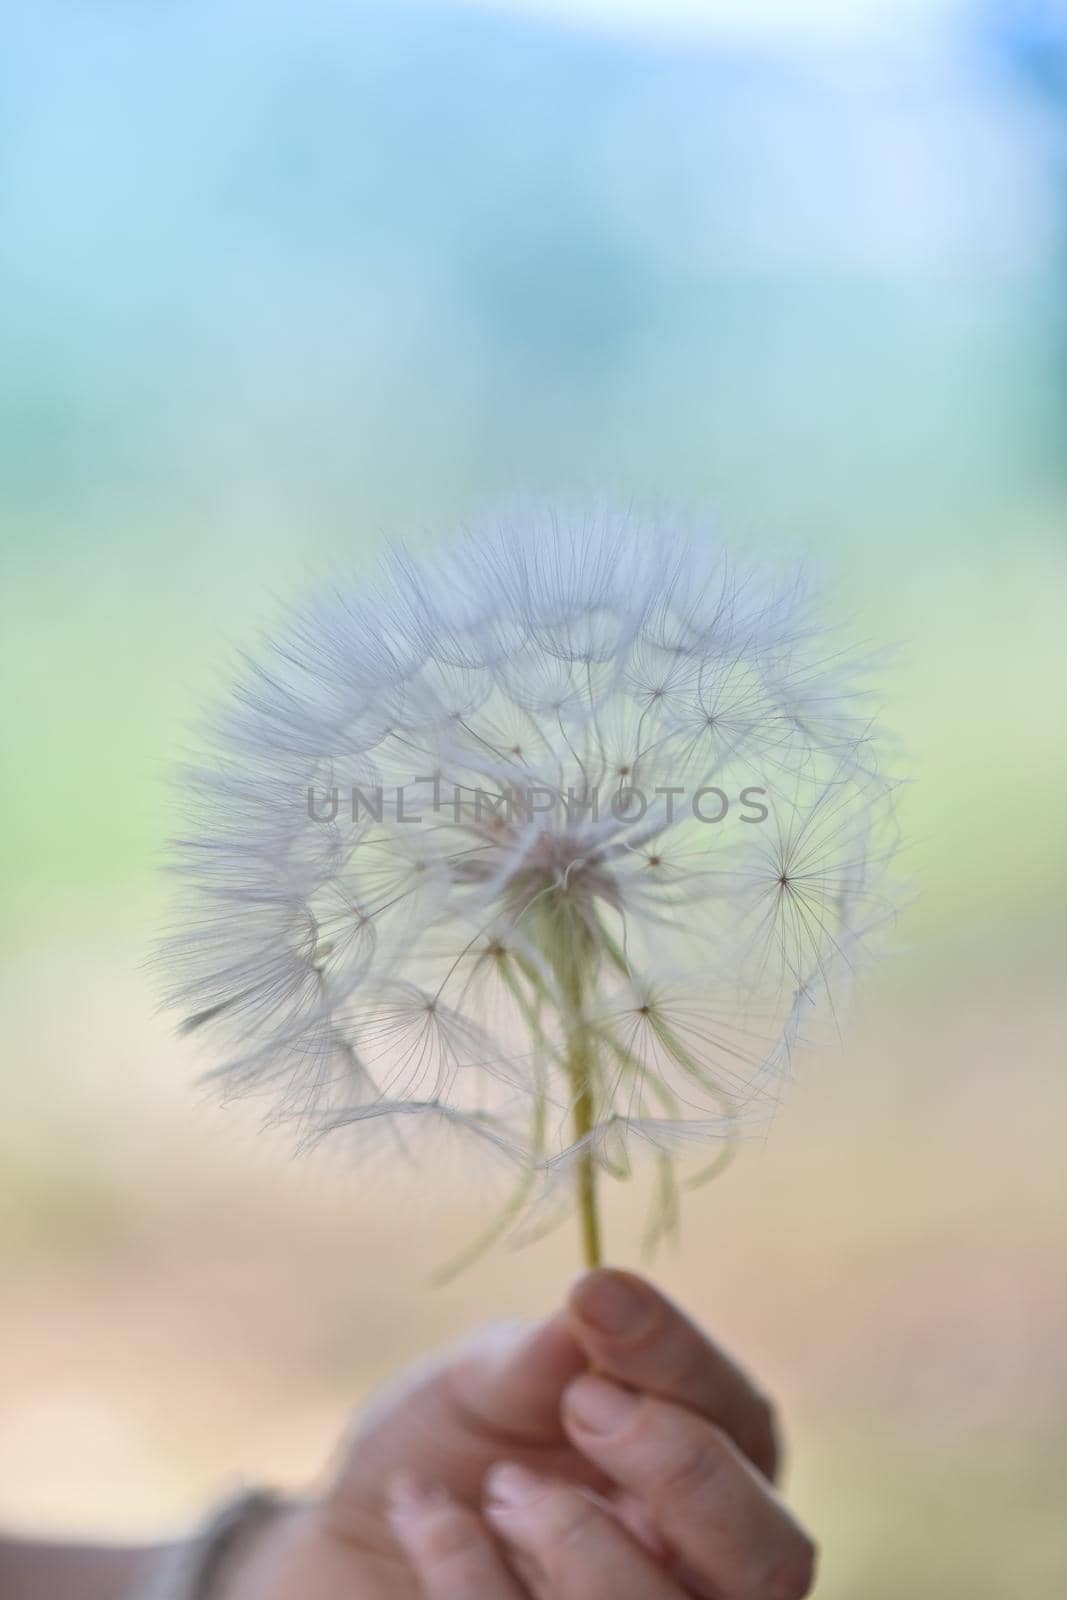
(575, 778)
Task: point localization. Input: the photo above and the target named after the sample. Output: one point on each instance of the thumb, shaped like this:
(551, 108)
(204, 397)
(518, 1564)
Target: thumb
(512, 1378)
(451, 1421)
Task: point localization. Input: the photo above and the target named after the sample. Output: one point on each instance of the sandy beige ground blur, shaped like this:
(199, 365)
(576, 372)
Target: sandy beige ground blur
(183, 1303)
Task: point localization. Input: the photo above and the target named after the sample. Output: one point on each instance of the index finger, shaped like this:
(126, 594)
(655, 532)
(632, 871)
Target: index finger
(634, 1334)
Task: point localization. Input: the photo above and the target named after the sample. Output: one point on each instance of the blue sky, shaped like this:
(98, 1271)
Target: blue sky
(718, 16)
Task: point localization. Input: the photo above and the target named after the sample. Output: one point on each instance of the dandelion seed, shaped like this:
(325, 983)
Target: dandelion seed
(558, 839)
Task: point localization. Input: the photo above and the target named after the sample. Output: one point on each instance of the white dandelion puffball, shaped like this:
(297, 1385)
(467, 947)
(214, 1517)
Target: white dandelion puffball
(556, 839)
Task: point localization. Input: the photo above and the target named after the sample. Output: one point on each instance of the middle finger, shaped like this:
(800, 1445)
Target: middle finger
(710, 1504)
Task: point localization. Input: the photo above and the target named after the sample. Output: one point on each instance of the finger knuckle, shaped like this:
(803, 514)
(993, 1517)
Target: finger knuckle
(690, 1472)
(764, 1432)
(451, 1536)
(793, 1578)
(568, 1518)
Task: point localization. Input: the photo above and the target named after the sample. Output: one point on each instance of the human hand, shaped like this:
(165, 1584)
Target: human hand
(611, 1451)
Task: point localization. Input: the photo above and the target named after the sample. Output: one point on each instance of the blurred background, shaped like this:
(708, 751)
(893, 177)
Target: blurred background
(279, 280)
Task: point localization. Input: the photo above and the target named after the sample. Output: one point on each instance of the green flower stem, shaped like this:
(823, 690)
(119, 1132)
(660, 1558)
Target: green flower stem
(579, 1070)
(569, 949)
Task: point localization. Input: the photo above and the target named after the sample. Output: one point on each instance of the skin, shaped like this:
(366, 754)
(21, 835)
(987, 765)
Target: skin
(610, 1453)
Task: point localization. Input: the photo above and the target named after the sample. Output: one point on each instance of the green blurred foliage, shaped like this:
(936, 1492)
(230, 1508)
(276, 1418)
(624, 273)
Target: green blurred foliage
(289, 280)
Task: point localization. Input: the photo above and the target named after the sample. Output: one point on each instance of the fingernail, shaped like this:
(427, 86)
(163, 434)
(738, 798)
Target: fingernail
(509, 1485)
(613, 1303)
(599, 1406)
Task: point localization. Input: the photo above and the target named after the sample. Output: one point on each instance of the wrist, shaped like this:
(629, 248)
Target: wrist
(267, 1558)
(199, 1567)
(301, 1552)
